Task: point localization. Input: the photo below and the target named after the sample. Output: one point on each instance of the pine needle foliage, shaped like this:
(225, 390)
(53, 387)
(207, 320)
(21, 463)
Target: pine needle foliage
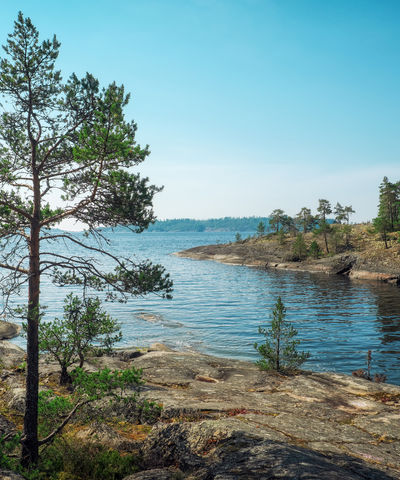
(67, 153)
(299, 248)
(71, 338)
(279, 352)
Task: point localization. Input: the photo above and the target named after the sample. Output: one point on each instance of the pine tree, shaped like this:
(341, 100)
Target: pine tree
(275, 219)
(279, 351)
(288, 224)
(66, 144)
(305, 219)
(300, 247)
(314, 250)
(389, 204)
(261, 229)
(339, 213)
(324, 209)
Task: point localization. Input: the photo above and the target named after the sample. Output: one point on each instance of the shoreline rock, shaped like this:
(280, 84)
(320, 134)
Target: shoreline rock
(9, 330)
(225, 419)
(11, 355)
(253, 424)
(350, 265)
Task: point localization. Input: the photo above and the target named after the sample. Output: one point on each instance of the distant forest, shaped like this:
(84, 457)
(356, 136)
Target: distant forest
(226, 224)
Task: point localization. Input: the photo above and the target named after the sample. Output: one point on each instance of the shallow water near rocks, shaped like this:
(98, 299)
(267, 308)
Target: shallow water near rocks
(217, 308)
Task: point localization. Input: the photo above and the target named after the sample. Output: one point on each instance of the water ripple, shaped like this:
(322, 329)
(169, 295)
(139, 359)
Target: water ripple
(217, 308)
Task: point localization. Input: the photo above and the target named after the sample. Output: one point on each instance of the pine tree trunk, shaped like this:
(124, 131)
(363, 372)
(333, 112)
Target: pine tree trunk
(65, 377)
(326, 243)
(81, 359)
(30, 448)
(278, 353)
(30, 445)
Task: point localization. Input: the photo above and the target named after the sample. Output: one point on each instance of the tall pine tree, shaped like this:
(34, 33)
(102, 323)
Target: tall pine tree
(66, 152)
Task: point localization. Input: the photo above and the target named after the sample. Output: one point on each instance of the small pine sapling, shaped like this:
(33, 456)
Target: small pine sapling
(260, 229)
(279, 351)
(70, 339)
(281, 237)
(299, 248)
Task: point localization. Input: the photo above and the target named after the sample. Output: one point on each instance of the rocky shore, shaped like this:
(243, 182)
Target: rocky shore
(225, 419)
(361, 265)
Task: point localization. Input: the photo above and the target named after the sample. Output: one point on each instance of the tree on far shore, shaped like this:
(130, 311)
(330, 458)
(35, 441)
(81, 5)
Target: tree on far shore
(305, 219)
(342, 214)
(299, 247)
(275, 219)
(260, 229)
(66, 152)
(389, 205)
(324, 209)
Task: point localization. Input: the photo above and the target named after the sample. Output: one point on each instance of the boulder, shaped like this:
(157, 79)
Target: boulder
(211, 449)
(99, 432)
(8, 330)
(11, 355)
(159, 347)
(15, 398)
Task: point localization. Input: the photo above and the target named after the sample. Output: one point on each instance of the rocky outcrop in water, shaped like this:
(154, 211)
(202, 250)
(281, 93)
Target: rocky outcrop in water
(269, 255)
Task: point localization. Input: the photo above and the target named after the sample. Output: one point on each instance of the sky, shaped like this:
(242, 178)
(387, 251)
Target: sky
(247, 105)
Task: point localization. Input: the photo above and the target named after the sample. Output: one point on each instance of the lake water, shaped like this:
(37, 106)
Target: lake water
(217, 308)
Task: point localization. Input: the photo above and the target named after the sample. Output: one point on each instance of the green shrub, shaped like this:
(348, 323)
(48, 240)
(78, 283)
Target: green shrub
(70, 339)
(299, 248)
(50, 409)
(281, 237)
(314, 251)
(95, 462)
(8, 445)
(69, 459)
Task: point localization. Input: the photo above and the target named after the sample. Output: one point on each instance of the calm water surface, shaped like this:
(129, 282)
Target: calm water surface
(217, 308)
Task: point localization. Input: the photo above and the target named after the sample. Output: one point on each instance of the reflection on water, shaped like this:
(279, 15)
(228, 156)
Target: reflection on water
(388, 316)
(217, 308)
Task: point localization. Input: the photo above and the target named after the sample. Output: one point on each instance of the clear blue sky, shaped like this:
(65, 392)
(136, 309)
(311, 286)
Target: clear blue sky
(247, 105)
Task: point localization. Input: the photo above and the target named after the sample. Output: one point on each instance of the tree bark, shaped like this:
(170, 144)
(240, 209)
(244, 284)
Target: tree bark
(326, 242)
(30, 443)
(278, 353)
(30, 446)
(65, 377)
